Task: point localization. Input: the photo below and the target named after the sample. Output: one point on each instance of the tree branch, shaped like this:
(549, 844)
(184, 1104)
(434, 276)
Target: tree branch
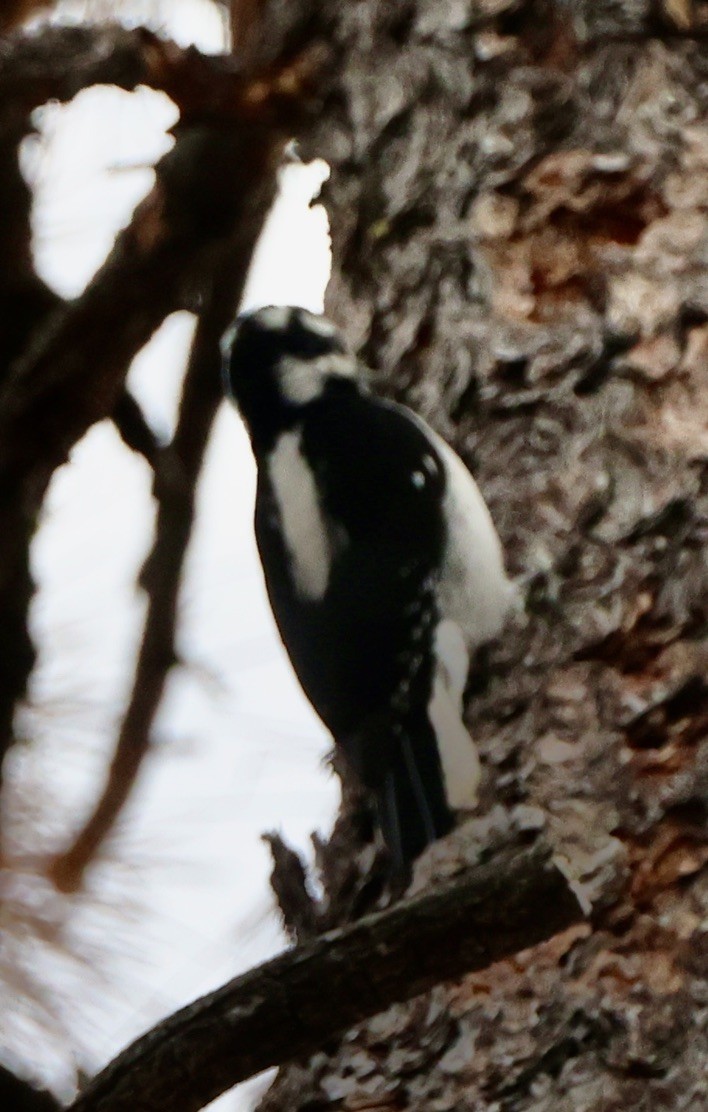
(210, 199)
(244, 18)
(15, 12)
(176, 476)
(26, 301)
(133, 428)
(177, 470)
(216, 183)
(62, 61)
(290, 1006)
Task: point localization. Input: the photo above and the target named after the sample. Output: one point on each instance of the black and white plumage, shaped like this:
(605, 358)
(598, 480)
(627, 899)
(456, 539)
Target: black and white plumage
(382, 566)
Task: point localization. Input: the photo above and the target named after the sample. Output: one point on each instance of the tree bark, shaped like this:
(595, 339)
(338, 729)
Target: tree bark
(520, 237)
(297, 1002)
(520, 231)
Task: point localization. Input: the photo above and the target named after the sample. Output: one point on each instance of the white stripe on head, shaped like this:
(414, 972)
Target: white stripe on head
(303, 380)
(228, 337)
(318, 324)
(300, 380)
(276, 317)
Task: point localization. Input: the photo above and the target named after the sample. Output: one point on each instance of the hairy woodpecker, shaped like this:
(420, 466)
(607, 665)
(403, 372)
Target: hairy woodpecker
(382, 566)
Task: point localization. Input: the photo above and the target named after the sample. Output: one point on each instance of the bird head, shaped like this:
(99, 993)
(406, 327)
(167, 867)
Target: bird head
(278, 360)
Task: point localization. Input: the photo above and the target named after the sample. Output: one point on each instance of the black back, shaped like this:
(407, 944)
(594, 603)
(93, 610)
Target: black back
(363, 652)
(354, 649)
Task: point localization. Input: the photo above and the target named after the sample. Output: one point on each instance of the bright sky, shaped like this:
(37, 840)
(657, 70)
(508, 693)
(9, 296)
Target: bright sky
(182, 903)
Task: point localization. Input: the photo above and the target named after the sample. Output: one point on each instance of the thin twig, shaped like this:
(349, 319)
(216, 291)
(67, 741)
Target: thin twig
(212, 191)
(176, 477)
(133, 428)
(177, 470)
(26, 302)
(62, 61)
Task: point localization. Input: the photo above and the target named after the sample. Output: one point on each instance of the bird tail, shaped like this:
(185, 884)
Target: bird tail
(412, 807)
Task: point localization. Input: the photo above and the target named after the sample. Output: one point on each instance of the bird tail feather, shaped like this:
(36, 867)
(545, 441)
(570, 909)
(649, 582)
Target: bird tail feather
(411, 802)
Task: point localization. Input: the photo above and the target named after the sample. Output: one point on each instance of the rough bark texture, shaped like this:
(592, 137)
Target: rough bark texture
(279, 1009)
(519, 200)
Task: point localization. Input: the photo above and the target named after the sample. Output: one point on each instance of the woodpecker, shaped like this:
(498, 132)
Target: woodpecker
(382, 566)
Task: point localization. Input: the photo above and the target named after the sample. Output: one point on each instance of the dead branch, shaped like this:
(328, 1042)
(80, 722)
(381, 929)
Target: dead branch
(213, 181)
(133, 428)
(218, 178)
(177, 470)
(290, 1006)
(175, 487)
(208, 204)
(62, 61)
(26, 301)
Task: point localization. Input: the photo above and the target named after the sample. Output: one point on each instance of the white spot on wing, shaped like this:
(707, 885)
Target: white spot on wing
(301, 518)
(474, 589)
(418, 480)
(430, 464)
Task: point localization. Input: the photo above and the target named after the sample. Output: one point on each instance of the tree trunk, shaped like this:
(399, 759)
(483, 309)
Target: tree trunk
(518, 205)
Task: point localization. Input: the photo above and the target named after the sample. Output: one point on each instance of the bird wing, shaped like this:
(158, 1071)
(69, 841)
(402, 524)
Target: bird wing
(357, 492)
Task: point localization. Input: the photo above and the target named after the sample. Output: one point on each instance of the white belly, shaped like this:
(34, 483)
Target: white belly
(475, 591)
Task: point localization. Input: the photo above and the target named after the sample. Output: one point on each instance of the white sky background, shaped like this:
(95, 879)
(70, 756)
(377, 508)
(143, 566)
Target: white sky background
(182, 902)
